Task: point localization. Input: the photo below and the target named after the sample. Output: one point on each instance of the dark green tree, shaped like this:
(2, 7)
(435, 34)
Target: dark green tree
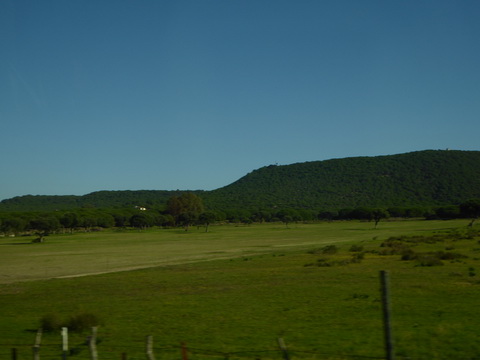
(187, 218)
(417, 212)
(87, 222)
(379, 214)
(121, 220)
(142, 221)
(361, 213)
(327, 215)
(44, 226)
(12, 225)
(206, 218)
(448, 212)
(238, 215)
(471, 209)
(105, 220)
(306, 215)
(345, 214)
(288, 216)
(185, 208)
(262, 216)
(168, 220)
(69, 221)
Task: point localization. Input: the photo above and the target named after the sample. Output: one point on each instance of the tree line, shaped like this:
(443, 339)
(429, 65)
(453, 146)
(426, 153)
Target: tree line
(183, 210)
(188, 210)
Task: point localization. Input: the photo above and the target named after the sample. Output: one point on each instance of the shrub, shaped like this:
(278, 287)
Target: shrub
(50, 322)
(393, 247)
(471, 272)
(360, 296)
(82, 322)
(76, 323)
(357, 257)
(416, 239)
(449, 255)
(429, 260)
(329, 249)
(356, 248)
(323, 263)
(409, 254)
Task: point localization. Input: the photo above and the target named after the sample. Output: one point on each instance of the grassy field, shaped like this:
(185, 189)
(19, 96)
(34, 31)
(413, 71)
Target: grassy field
(233, 291)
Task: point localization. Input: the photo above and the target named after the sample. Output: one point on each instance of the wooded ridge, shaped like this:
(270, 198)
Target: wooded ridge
(421, 178)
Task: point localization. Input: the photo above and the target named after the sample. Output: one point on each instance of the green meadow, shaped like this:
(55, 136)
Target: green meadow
(232, 292)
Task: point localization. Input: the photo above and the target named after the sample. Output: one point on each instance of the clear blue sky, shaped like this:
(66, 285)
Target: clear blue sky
(165, 95)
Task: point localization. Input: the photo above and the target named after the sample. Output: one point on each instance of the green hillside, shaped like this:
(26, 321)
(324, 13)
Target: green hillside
(98, 199)
(428, 178)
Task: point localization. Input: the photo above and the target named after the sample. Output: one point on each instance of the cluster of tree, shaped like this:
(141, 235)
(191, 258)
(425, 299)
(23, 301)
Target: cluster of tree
(469, 209)
(188, 209)
(183, 210)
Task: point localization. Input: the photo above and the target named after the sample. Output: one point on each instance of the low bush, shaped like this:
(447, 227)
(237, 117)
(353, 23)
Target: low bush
(50, 322)
(393, 247)
(81, 322)
(429, 260)
(329, 249)
(323, 263)
(471, 272)
(357, 257)
(449, 255)
(356, 248)
(76, 323)
(409, 254)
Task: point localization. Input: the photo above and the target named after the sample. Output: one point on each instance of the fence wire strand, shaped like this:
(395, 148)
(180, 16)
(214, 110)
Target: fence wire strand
(53, 351)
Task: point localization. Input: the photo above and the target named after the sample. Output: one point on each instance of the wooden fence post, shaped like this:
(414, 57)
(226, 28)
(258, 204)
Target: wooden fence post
(92, 344)
(282, 346)
(36, 347)
(64, 342)
(14, 353)
(36, 353)
(149, 350)
(124, 356)
(385, 287)
(184, 352)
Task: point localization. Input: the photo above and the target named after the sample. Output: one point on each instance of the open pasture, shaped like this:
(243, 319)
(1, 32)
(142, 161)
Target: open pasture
(111, 251)
(233, 291)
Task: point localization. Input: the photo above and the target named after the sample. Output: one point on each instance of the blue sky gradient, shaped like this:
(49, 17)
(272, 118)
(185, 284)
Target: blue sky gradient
(165, 95)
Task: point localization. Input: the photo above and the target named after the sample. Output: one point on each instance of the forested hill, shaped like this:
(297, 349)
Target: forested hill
(431, 177)
(426, 178)
(98, 199)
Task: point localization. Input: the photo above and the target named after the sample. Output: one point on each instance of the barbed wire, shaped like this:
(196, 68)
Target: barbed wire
(113, 352)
